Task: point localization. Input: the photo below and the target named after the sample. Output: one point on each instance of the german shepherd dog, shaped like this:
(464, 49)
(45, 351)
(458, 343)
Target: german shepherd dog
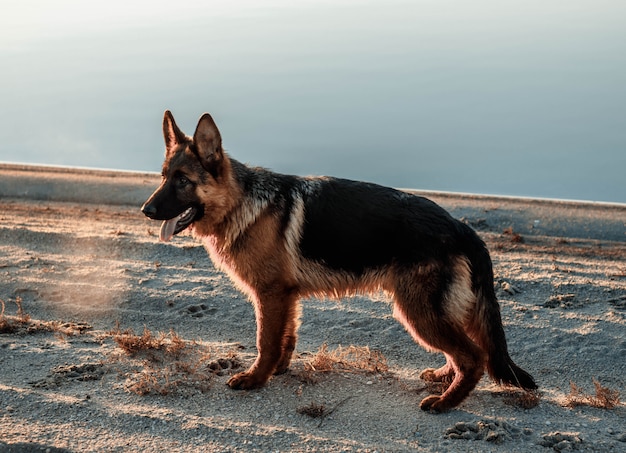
(281, 238)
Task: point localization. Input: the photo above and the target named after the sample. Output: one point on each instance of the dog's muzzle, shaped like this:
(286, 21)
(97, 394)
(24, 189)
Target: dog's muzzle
(171, 226)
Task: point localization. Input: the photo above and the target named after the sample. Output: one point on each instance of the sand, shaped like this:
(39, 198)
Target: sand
(87, 266)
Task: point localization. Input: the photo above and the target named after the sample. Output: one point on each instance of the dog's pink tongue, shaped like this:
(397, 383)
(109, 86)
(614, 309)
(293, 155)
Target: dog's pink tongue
(167, 229)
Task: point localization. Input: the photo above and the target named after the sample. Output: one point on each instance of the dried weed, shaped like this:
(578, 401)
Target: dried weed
(169, 379)
(516, 238)
(22, 323)
(312, 410)
(170, 344)
(6, 326)
(352, 359)
(11, 324)
(525, 399)
(170, 364)
(320, 411)
(605, 398)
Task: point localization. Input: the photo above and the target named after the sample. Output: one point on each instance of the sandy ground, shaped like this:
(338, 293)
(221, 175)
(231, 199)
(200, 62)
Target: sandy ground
(86, 273)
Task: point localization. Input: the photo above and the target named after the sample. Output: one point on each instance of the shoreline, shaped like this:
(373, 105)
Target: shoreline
(106, 177)
(529, 216)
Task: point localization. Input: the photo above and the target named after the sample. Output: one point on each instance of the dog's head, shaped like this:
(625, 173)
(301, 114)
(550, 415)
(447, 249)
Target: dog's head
(194, 173)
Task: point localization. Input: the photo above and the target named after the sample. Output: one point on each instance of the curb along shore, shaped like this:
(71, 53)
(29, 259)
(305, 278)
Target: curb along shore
(526, 216)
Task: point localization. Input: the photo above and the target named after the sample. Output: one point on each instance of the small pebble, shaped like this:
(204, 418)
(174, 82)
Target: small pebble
(492, 436)
(563, 446)
(460, 426)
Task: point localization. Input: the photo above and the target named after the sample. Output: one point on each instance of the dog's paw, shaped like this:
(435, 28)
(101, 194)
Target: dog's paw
(434, 404)
(443, 374)
(428, 375)
(246, 381)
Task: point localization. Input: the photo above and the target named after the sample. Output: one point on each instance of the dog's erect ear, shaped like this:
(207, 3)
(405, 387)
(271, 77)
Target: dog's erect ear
(172, 134)
(208, 142)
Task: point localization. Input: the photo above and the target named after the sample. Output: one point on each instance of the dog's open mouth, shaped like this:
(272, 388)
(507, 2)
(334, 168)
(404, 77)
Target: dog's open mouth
(174, 226)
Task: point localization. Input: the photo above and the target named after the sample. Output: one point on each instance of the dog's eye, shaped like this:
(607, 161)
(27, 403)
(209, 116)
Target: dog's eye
(183, 181)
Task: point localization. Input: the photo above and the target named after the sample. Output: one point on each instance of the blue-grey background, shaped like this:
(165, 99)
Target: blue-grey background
(488, 96)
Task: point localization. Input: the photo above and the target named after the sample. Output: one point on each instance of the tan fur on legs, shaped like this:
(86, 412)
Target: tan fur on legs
(275, 310)
(415, 293)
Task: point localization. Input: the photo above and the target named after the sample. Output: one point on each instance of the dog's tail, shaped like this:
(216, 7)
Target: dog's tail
(486, 325)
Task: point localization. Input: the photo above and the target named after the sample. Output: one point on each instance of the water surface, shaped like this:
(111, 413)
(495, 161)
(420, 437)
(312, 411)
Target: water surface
(501, 97)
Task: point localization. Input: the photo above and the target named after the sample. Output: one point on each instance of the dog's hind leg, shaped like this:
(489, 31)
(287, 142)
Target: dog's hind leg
(276, 315)
(420, 306)
(466, 361)
(468, 364)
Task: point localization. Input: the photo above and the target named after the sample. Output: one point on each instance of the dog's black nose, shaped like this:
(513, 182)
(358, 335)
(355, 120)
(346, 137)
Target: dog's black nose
(149, 210)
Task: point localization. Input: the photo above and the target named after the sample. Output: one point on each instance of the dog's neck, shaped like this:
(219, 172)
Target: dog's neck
(244, 210)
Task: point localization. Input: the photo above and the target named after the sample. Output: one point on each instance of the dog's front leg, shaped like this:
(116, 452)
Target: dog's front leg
(277, 320)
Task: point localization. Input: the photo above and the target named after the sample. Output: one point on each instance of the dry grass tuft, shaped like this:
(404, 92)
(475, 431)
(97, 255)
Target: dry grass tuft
(59, 327)
(312, 410)
(170, 365)
(171, 344)
(10, 324)
(352, 359)
(605, 398)
(169, 379)
(516, 238)
(525, 399)
(6, 326)
(22, 323)
(320, 411)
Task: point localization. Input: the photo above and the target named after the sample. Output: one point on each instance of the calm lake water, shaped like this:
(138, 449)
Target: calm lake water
(489, 96)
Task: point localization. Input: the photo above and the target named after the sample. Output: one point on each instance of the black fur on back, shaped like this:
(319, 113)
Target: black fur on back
(356, 226)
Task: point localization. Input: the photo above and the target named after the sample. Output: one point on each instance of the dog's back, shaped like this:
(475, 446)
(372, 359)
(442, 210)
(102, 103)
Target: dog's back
(355, 226)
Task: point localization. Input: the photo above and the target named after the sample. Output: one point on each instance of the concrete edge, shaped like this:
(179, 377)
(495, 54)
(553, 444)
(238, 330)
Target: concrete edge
(564, 218)
(79, 185)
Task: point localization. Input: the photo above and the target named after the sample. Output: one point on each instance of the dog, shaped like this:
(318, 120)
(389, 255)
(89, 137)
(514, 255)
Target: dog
(281, 238)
